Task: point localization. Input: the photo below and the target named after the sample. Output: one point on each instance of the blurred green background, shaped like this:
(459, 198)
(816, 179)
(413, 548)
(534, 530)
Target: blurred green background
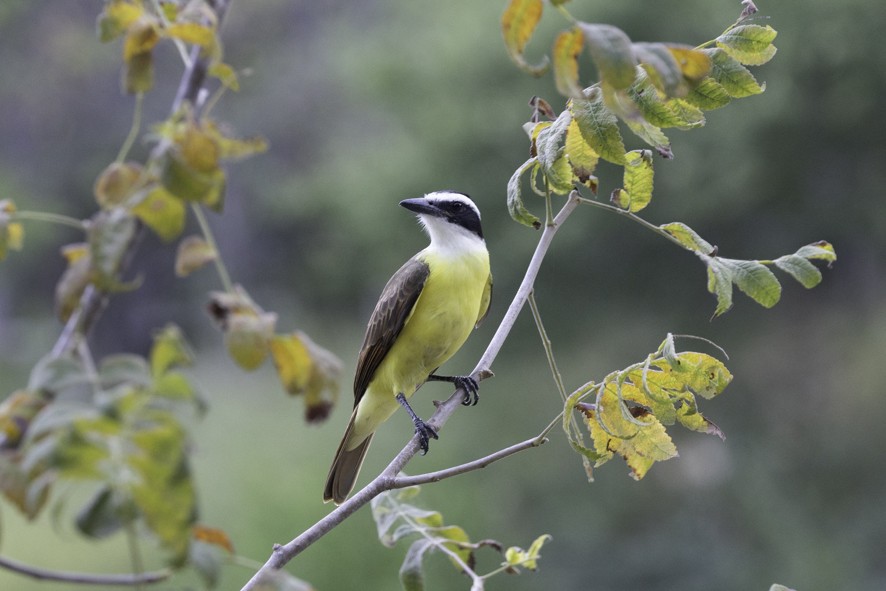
(366, 103)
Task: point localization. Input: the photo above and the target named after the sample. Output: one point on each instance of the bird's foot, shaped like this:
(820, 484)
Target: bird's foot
(425, 433)
(423, 430)
(466, 383)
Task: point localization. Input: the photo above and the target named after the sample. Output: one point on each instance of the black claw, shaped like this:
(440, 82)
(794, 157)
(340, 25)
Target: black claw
(471, 388)
(425, 433)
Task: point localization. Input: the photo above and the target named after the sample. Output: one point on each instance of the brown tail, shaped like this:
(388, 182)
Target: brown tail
(345, 468)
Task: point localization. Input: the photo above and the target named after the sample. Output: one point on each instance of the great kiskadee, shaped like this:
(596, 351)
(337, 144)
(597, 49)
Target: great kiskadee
(424, 315)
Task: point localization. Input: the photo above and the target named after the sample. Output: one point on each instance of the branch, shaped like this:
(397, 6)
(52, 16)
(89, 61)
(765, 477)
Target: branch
(83, 578)
(437, 476)
(388, 478)
(94, 300)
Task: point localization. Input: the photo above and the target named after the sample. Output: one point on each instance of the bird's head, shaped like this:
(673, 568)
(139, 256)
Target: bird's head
(448, 217)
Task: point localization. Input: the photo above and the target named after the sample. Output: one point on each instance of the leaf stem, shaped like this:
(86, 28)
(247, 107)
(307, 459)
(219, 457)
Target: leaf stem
(546, 343)
(52, 218)
(220, 267)
(633, 217)
(133, 130)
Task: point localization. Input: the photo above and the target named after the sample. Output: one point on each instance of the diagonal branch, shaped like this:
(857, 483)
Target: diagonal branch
(388, 478)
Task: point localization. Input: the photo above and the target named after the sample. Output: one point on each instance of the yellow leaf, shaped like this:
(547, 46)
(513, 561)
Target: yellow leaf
(74, 280)
(169, 350)
(192, 33)
(293, 362)
(694, 64)
(12, 234)
(141, 38)
(225, 74)
(517, 25)
(567, 48)
(193, 253)
(162, 213)
(116, 18)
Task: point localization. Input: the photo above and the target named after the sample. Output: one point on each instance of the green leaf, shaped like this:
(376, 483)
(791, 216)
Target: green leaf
(720, 284)
(124, 369)
(598, 126)
(734, 78)
(752, 277)
(756, 281)
(54, 374)
(518, 23)
(517, 557)
(100, 517)
(518, 211)
(550, 146)
(800, 269)
(169, 350)
(638, 174)
(661, 111)
(708, 95)
(612, 53)
(662, 66)
(110, 234)
(819, 251)
(567, 48)
(411, 576)
(749, 44)
(688, 237)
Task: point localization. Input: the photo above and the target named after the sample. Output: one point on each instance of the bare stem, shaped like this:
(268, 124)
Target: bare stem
(388, 478)
(220, 268)
(83, 578)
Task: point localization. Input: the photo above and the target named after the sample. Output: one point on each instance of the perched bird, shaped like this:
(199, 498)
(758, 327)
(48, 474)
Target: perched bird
(424, 315)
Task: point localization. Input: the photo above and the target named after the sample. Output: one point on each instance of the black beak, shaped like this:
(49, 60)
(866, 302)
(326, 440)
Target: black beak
(421, 205)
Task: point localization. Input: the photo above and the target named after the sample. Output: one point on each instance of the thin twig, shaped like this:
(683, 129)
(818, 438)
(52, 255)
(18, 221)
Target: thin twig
(386, 480)
(83, 578)
(406, 481)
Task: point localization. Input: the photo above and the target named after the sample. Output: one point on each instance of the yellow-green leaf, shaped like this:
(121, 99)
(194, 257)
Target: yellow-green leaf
(567, 48)
(688, 237)
(708, 95)
(518, 23)
(117, 182)
(138, 73)
(661, 64)
(162, 213)
(225, 74)
(749, 44)
(800, 269)
(694, 64)
(306, 368)
(141, 38)
(116, 18)
(192, 33)
(247, 338)
(293, 362)
(518, 211)
(193, 253)
(12, 234)
(820, 251)
(74, 280)
(598, 126)
(612, 53)
(735, 79)
(169, 350)
(638, 174)
(581, 156)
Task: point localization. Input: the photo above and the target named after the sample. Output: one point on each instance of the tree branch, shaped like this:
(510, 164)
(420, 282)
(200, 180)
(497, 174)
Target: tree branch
(83, 578)
(388, 478)
(429, 477)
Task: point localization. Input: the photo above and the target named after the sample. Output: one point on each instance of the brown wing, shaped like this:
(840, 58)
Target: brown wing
(485, 300)
(387, 320)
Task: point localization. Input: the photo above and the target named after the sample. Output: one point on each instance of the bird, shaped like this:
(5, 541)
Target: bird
(424, 315)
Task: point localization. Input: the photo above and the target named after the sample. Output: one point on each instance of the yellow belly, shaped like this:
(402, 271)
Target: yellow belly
(440, 323)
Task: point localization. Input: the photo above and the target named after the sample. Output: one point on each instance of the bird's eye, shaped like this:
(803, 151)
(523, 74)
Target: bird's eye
(456, 206)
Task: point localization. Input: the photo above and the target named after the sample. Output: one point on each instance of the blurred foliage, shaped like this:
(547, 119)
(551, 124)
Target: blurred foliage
(353, 126)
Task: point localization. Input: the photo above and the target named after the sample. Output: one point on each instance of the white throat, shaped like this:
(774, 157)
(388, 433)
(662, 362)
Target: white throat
(449, 239)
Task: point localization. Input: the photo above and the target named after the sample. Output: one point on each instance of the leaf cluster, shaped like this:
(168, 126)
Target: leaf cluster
(626, 413)
(396, 519)
(646, 87)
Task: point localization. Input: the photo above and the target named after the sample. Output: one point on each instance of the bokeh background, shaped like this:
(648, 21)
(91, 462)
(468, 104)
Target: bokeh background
(366, 103)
